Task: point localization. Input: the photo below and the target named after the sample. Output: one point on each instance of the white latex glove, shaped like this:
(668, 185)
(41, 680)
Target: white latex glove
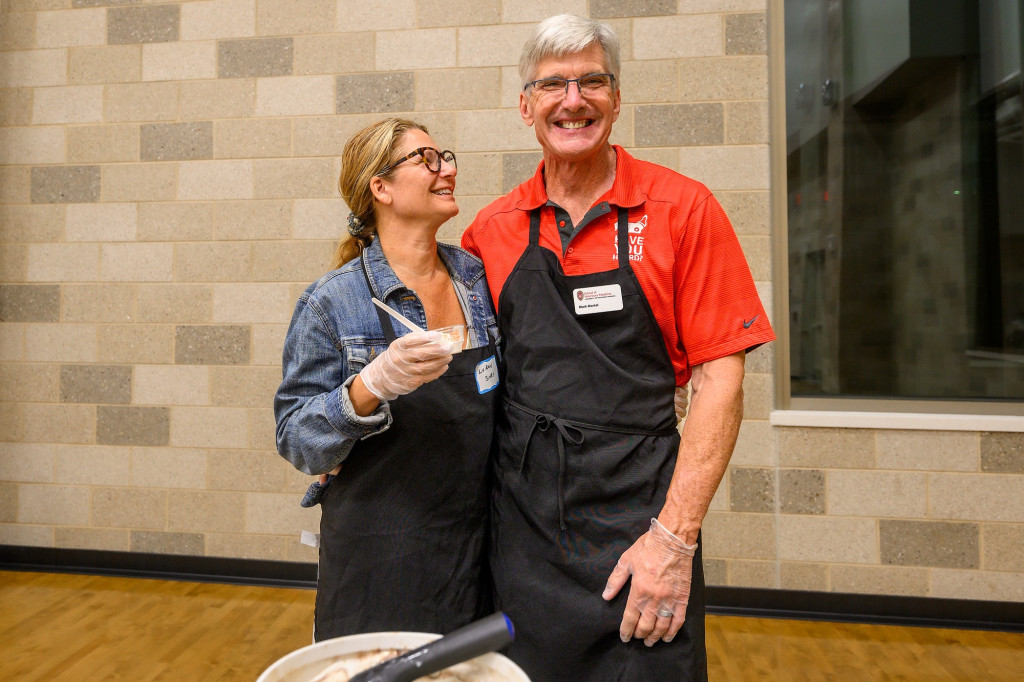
(662, 566)
(408, 363)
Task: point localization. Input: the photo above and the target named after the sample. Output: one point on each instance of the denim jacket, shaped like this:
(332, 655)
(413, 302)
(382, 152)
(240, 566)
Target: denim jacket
(335, 332)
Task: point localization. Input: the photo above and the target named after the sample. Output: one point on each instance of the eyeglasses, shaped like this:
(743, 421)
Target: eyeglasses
(591, 84)
(431, 159)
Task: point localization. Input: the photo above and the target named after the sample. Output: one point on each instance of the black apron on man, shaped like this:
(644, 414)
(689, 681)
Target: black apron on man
(404, 524)
(587, 446)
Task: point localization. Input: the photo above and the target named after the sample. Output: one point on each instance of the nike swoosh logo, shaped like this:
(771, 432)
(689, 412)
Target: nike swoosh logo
(746, 325)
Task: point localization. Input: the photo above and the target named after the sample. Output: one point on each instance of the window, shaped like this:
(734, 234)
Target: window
(905, 199)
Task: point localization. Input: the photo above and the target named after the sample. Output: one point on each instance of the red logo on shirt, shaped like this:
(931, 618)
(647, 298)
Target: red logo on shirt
(636, 240)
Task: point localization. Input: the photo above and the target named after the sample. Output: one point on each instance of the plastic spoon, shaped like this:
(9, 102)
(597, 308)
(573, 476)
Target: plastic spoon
(398, 316)
(476, 639)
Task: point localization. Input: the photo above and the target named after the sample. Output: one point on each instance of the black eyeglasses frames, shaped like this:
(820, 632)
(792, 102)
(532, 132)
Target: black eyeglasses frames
(431, 159)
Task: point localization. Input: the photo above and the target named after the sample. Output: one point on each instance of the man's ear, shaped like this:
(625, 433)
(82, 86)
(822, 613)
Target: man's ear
(524, 109)
(380, 190)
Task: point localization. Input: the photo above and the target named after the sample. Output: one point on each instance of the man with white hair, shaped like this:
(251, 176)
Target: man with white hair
(616, 281)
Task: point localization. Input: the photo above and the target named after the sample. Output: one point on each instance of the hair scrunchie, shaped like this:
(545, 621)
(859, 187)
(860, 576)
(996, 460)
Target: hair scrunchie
(356, 226)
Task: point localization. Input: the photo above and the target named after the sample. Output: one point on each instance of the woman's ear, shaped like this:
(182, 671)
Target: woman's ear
(381, 191)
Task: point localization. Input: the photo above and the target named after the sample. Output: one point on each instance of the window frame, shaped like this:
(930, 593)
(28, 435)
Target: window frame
(843, 412)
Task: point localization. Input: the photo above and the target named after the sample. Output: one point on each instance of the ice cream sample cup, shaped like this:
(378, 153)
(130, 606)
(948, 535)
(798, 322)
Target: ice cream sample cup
(455, 335)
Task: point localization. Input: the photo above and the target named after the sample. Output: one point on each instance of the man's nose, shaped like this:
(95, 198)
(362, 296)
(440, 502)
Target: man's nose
(573, 97)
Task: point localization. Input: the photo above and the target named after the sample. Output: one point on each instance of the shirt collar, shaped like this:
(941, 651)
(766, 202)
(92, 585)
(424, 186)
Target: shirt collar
(383, 280)
(462, 266)
(624, 192)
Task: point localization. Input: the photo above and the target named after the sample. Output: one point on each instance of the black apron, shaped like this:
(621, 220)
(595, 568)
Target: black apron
(404, 524)
(587, 444)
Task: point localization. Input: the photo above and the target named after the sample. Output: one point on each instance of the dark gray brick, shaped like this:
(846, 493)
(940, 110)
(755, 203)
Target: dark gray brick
(29, 303)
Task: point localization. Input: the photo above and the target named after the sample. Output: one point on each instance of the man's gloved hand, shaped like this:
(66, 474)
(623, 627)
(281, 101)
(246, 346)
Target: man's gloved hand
(408, 363)
(662, 566)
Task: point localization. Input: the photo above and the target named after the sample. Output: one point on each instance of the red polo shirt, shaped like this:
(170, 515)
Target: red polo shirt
(682, 248)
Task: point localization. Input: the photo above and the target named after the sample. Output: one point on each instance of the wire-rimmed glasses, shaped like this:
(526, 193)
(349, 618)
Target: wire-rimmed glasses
(591, 84)
(431, 159)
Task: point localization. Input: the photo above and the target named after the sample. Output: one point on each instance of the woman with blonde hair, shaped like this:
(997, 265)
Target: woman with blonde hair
(401, 419)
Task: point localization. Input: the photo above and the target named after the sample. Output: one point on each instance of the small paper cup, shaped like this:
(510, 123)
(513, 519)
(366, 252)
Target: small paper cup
(455, 335)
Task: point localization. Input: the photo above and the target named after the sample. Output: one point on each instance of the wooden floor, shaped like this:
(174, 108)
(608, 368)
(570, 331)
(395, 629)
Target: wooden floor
(75, 627)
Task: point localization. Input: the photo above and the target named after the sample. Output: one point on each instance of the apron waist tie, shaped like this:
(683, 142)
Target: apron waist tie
(571, 431)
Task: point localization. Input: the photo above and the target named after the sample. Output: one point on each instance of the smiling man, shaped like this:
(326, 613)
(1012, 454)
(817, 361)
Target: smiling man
(616, 281)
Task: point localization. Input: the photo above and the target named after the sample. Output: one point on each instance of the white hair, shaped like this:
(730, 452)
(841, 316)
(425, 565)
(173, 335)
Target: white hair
(565, 34)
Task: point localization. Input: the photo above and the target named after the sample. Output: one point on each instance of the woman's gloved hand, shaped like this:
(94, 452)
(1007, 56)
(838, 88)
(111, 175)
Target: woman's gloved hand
(662, 567)
(408, 363)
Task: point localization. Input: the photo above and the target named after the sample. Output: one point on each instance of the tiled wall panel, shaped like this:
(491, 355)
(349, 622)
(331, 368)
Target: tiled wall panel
(168, 188)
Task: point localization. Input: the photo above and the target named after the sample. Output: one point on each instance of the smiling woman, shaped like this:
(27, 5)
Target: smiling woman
(396, 423)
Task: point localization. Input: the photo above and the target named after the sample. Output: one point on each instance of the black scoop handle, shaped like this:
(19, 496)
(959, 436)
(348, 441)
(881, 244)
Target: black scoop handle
(479, 637)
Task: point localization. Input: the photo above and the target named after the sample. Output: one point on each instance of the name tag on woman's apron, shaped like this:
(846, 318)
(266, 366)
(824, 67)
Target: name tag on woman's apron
(600, 299)
(487, 375)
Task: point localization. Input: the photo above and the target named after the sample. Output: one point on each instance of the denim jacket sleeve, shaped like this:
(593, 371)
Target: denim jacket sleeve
(316, 423)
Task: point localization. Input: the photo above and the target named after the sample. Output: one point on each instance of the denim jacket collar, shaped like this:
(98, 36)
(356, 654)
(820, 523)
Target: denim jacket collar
(464, 267)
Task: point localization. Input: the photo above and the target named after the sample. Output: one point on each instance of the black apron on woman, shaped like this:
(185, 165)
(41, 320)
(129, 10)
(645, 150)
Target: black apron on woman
(404, 524)
(587, 446)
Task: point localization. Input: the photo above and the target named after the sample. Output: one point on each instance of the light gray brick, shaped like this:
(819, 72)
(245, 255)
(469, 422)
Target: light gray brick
(433, 13)
(517, 168)
(177, 141)
(16, 106)
(609, 9)
(212, 344)
(8, 502)
(161, 542)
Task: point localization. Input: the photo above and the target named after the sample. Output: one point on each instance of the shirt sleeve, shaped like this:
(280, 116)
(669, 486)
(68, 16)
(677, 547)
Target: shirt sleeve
(469, 239)
(718, 310)
(316, 422)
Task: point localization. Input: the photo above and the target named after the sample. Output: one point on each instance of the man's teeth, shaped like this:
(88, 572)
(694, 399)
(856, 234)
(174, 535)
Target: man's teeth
(574, 124)
(443, 191)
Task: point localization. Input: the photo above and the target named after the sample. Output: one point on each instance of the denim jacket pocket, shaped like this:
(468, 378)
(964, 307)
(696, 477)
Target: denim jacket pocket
(360, 354)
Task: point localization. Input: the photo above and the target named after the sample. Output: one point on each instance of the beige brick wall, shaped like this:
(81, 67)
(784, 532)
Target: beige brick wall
(167, 188)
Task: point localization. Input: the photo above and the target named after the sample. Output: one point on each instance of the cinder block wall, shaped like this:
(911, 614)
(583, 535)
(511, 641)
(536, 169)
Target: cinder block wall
(167, 189)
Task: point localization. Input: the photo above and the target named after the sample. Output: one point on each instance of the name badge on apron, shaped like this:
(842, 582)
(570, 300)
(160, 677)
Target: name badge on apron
(600, 299)
(487, 375)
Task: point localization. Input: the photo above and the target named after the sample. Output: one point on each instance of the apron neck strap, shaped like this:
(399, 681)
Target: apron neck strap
(622, 228)
(385, 319)
(535, 226)
(623, 241)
